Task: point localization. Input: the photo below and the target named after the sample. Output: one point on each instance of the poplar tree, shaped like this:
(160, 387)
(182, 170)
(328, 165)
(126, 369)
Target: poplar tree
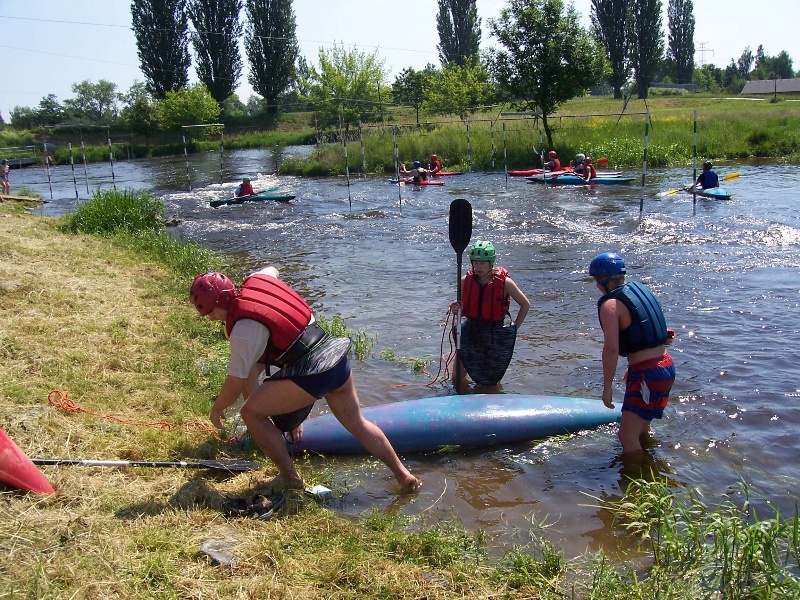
(680, 16)
(215, 39)
(647, 42)
(459, 31)
(161, 29)
(610, 21)
(271, 47)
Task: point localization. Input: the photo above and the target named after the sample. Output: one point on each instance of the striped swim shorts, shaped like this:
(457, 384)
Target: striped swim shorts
(648, 385)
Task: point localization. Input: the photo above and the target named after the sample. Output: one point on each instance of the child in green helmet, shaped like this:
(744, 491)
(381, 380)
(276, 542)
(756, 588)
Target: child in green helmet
(244, 189)
(486, 293)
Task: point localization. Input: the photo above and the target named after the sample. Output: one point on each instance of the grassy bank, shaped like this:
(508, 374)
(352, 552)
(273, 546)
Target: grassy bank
(728, 129)
(95, 311)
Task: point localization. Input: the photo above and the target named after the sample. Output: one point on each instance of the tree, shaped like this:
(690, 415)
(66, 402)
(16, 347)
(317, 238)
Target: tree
(647, 42)
(216, 44)
(610, 22)
(23, 117)
(346, 81)
(779, 67)
(271, 47)
(745, 63)
(459, 31)
(680, 18)
(94, 102)
(161, 28)
(50, 112)
(142, 116)
(548, 58)
(188, 106)
(409, 88)
(458, 88)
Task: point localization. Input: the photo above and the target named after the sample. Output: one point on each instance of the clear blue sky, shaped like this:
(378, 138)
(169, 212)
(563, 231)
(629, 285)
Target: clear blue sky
(49, 45)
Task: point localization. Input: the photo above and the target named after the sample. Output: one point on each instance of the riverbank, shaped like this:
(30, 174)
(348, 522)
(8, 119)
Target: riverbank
(102, 320)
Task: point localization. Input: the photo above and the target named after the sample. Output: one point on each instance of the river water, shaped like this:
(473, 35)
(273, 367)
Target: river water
(726, 273)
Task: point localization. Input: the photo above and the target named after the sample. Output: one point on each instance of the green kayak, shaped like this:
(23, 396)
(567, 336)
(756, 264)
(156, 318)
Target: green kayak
(261, 197)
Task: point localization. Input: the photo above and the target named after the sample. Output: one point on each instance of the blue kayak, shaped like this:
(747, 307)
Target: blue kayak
(575, 180)
(466, 421)
(715, 193)
(260, 197)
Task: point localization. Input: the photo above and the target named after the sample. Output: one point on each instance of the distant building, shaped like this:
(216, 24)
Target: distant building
(772, 86)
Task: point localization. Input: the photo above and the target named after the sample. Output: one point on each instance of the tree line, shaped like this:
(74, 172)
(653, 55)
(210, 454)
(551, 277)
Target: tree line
(544, 57)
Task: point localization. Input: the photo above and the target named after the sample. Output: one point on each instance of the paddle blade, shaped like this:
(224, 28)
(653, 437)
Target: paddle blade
(602, 161)
(667, 193)
(460, 224)
(730, 176)
(223, 464)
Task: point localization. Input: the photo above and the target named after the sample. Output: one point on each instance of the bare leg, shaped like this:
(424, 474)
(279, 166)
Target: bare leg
(274, 398)
(345, 407)
(632, 430)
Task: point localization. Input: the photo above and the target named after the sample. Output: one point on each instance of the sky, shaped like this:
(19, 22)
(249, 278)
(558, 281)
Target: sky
(47, 46)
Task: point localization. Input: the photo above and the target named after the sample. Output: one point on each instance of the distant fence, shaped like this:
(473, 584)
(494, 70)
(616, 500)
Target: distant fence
(19, 156)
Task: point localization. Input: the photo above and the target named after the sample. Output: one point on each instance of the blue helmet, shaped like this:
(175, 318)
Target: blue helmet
(417, 164)
(606, 265)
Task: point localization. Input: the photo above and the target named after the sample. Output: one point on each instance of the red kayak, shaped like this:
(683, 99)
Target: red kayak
(17, 470)
(410, 181)
(446, 173)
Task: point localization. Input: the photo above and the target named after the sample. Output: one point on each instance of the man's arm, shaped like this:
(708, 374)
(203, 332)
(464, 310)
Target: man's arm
(512, 289)
(609, 319)
(230, 391)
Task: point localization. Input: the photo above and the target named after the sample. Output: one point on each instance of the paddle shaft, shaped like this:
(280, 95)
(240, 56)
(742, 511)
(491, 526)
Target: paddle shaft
(231, 465)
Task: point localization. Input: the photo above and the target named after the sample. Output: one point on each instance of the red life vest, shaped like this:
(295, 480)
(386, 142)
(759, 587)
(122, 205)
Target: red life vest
(276, 306)
(556, 164)
(488, 302)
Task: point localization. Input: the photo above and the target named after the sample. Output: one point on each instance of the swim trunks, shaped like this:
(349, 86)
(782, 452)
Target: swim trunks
(648, 385)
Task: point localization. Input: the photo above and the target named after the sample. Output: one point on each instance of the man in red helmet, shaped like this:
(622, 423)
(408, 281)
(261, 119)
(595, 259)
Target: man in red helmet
(268, 323)
(552, 164)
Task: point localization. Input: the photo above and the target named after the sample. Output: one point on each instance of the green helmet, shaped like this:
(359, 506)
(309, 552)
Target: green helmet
(482, 251)
(580, 157)
(245, 180)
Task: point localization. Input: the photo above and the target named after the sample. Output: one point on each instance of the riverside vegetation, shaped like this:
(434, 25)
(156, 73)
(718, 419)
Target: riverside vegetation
(95, 310)
(729, 129)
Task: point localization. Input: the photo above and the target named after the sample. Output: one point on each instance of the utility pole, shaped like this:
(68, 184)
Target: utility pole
(702, 51)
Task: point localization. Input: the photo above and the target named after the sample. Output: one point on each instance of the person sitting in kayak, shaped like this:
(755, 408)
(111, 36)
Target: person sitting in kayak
(707, 179)
(589, 171)
(553, 164)
(418, 173)
(435, 165)
(244, 188)
(577, 164)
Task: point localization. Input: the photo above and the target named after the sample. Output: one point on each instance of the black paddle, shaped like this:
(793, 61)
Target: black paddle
(225, 465)
(460, 234)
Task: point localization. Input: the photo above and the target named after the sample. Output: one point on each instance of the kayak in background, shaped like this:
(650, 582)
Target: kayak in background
(18, 471)
(715, 193)
(260, 197)
(570, 179)
(410, 181)
(446, 173)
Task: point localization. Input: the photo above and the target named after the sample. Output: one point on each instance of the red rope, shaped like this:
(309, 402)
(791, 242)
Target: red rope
(61, 400)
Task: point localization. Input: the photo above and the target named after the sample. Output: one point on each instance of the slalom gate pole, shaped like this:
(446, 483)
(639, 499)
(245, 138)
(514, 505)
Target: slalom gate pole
(186, 159)
(111, 160)
(694, 168)
(644, 160)
(85, 170)
(72, 166)
(47, 167)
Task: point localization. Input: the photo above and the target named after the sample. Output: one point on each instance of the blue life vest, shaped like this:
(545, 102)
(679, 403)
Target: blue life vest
(648, 328)
(708, 179)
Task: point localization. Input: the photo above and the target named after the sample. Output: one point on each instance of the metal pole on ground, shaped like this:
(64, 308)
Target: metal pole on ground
(221, 152)
(644, 160)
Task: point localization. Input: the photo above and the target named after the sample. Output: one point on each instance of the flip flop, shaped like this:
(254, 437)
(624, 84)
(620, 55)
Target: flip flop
(264, 507)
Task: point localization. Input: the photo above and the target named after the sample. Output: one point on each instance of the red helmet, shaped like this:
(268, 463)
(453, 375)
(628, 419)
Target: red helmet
(551, 154)
(211, 290)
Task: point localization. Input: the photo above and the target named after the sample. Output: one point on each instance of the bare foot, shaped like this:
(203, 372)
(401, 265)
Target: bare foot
(280, 483)
(411, 486)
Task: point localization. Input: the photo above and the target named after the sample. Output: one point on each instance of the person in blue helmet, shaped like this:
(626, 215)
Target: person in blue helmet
(707, 179)
(418, 173)
(634, 327)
